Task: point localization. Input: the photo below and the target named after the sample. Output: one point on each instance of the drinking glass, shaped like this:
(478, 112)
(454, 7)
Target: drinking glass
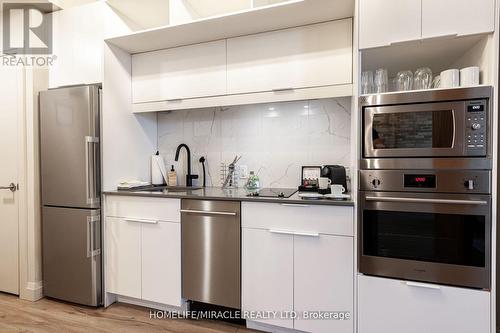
(436, 82)
(404, 80)
(366, 82)
(381, 81)
(422, 78)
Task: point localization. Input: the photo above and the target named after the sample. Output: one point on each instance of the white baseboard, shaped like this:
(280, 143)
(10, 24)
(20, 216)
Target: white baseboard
(32, 292)
(148, 304)
(270, 328)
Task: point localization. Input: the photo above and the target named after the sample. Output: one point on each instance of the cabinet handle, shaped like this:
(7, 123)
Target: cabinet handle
(294, 233)
(306, 234)
(295, 205)
(283, 89)
(453, 34)
(141, 221)
(422, 285)
(202, 212)
(175, 100)
(282, 232)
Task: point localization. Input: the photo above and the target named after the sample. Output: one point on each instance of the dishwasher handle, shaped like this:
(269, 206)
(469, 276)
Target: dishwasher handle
(204, 212)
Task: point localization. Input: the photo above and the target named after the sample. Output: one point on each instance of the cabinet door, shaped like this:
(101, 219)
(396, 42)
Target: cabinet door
(308, 56)
(324, 281)
(267, 274)
(183, 72)
(161, 263)
(382, 22)
(387, 305)
(461, 17)
(123, 257)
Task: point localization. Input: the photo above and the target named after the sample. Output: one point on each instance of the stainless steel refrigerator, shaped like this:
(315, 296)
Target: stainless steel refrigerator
(70, 180)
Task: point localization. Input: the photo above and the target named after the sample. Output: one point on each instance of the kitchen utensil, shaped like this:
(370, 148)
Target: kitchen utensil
(422, 78)
(404, 80)
(469, 76)
(337, 189)
(323, 182)
(450, 78)
(231, 167)
(381, 81)
(366, 82)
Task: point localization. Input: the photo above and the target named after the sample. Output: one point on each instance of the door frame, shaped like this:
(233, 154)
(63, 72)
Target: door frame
(32, 80)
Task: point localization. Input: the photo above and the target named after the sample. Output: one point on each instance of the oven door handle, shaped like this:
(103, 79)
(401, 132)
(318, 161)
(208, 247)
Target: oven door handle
(429, 201)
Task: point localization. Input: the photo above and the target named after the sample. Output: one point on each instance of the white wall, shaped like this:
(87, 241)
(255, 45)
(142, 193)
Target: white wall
(274, 139)
(78, 39)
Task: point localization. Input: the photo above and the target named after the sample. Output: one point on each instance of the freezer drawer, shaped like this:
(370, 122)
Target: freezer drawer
(211, 252)
(69, 143)
(72, 255)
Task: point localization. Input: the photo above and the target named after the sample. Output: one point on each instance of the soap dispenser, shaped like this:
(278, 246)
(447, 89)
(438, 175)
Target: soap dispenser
(172, 177)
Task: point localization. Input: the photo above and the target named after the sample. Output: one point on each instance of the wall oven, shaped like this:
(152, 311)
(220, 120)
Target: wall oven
(426, 225)
(441, 128)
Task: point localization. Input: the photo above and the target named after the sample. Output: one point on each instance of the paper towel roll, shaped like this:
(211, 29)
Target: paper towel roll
(158, 170)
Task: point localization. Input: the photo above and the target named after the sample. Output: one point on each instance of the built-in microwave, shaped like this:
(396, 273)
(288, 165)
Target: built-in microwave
(427, 128)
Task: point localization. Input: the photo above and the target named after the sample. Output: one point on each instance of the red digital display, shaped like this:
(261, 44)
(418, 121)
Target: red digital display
(422, 181)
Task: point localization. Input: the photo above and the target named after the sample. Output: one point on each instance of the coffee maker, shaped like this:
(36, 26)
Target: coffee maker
(336, 173)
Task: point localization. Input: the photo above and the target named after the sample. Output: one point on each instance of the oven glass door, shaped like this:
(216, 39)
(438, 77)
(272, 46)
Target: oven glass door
(430, 237)
(417, 130)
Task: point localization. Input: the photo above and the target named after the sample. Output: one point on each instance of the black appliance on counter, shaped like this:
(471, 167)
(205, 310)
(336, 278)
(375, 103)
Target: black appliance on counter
(310, 174)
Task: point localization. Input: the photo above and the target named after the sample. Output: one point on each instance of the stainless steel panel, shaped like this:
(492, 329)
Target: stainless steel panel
(447, 181)
(72, 255)
(427, 96)
(211, 252)
(450, 163)
(468, 276)
(69, 141)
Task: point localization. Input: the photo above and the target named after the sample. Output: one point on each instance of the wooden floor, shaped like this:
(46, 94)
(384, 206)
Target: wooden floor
(52, 317)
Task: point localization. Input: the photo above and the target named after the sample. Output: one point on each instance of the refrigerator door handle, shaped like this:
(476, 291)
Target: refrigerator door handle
(91, 242)
(90, 170)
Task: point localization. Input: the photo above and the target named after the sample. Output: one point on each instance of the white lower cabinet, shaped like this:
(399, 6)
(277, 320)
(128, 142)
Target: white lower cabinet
(161, 263)
(123, 251)
(394, 306)
(267, 273)
(323, 281)
(143, 255)
(298, 266)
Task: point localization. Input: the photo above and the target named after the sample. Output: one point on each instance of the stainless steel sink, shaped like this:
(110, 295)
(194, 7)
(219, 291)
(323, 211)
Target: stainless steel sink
(170, 188)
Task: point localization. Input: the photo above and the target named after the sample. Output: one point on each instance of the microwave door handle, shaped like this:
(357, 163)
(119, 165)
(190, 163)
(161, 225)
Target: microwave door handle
(428, 201)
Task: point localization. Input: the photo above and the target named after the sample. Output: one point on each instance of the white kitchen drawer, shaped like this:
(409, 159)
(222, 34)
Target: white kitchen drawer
(142, 208)
(394, 306)
(334, 220)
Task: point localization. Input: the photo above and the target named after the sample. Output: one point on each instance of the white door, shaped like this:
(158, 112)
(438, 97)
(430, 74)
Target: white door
(123, 257)
(161, 262)
(460, 17)
(267, 274)
(309, 56)
(183, 72)
(383, 22)
(324, 281)
(10, 117)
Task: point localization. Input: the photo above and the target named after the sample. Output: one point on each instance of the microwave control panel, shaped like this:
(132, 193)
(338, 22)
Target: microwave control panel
(476, 127)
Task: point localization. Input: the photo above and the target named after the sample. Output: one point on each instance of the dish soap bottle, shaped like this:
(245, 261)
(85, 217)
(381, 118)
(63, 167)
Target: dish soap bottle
(172, 177)
(253, 182)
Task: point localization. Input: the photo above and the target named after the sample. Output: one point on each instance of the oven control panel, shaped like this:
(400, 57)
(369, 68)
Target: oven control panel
(434, 181)
(475, 127)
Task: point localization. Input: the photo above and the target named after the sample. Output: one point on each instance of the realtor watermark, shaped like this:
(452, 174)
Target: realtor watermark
(250, 315)
(27, 34)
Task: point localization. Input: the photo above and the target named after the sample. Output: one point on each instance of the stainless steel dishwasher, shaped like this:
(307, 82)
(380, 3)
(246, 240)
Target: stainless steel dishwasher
(211, 252)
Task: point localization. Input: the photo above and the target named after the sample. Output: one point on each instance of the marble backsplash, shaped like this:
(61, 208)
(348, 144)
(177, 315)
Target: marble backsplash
(274, 140)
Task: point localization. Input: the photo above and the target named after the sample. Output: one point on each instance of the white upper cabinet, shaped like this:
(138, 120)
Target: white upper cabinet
(179, 73)
(457, 17)
(384, 22)
(309, 56)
